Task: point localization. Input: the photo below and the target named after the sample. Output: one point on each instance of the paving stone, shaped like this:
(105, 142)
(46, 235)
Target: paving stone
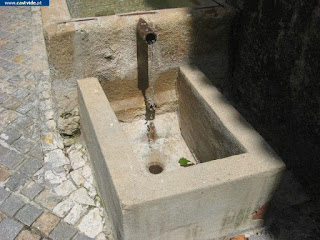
(33, 113)
(91, 224)
(81, 196)
(16, 181)
(101, 236)
(32, 190)
(4, 174)
(10, 135)
(23, 144)
(51, 141)
(48, 199)
(77, 177)
(46, 223)
(7, 55)
(25, 107)
(3, 194)
(63, 231)
(3, 153)
(36, 151)
(3, 97)
(2, 216)
(9, 229)
(21, 93)
(27, 235)
(76, 158)
(11, 205)
(28, 214)
(32, 132)
(22, 122)
(11, 159)
(81, 236)
(30, 166)
(55, 159)
(55, 176)
(12, 103)
(62, 209)
(6, 117)
(65, 188)
(75, 214)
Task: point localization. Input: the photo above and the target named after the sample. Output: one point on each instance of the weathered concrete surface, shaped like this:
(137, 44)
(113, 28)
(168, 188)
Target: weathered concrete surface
(214, 199)
(106, 48)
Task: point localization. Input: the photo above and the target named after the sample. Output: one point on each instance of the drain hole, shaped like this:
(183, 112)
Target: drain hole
(155, 168)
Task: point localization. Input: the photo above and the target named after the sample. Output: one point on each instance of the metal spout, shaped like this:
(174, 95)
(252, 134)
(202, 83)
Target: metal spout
(145, 32)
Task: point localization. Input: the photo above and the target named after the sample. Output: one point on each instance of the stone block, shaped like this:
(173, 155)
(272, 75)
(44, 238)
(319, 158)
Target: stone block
(63, 231)
(211, 199)
(32, 190)
(28, 214)
(9, 229)
(11, 205)
(46, 223)
(16, 181)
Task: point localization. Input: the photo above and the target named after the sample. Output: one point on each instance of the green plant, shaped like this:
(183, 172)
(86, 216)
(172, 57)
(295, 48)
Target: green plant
(185, 162)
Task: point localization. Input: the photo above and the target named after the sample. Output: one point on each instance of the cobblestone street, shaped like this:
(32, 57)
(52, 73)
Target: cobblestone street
(46, 188)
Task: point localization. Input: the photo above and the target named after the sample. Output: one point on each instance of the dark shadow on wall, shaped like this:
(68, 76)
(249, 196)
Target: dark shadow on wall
(275, 85)
(275, 79)
(271, 74)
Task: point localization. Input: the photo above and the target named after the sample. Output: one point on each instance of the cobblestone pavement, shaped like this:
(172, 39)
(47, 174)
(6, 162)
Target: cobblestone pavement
(46, 185)
(46, 189)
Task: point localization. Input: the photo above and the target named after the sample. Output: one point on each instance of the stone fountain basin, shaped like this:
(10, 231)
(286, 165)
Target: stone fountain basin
(237, 174)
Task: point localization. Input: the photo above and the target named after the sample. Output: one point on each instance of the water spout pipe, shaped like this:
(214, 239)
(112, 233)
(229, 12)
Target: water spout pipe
(146, 32)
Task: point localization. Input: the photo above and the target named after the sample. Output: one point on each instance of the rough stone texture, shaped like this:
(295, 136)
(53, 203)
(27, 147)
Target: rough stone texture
(28, 214)
(9, 229)
(3, 194)
(63, 208)
(46, 223)
(80, 236)
(32, 190)
(63, 231)
(11, 205)
(4, 174)
(11, 159)
(16, 181)
(91, 224)
(81, 196)
(33, 158)
(47, 199)
(10, 135)
(30, 166)
(75, 214)
(27, 235)
(65, 188)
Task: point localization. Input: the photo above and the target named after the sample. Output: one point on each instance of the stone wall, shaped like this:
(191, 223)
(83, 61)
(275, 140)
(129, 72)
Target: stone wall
(275, 78)
(85, 8)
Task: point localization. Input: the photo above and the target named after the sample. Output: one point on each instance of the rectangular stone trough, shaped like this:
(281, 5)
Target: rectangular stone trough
(234, 175)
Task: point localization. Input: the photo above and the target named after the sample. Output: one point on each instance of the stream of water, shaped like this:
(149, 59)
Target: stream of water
(150, 93)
